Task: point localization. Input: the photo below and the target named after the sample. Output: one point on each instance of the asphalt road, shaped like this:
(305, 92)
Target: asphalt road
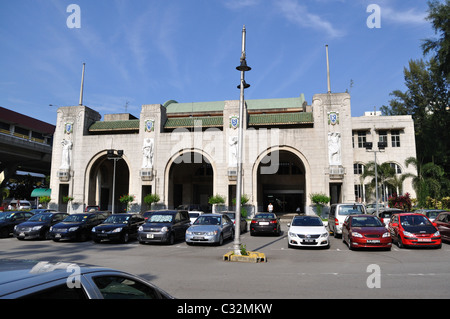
(199, 272)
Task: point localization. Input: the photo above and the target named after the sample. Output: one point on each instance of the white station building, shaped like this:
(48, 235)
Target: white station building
(187, 152)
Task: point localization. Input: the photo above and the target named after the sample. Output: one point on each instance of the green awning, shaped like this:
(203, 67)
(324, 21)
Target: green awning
(40, 192)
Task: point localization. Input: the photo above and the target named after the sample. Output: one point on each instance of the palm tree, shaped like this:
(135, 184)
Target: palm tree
(429, 181)
(385, 173)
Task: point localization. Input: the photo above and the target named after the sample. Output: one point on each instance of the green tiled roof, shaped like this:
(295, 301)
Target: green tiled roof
(281, 119)
(203, 121)
(102, 126)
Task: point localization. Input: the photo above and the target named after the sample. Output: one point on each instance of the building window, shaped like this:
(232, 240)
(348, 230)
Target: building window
(382, 136)
(361, 139)
(395, 138)
(396, 167)
(358, 168)
(359, 193)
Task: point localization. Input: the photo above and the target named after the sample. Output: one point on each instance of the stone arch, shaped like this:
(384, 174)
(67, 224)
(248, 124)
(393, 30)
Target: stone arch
(296, 191)
(99, 181)
(202, 178)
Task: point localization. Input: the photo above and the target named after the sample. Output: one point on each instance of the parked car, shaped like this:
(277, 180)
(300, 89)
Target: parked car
(38, 226)
(76, 226)
(22, 279)
(19, 204)
(210, 229)
(243, 225)
(430, 213)
(385, 214)
(338, 213)
(9, 219)
(118, 227)
(265, 223)
(307, 231)
(193, 215)
(413, 229)
(442, 222)
(164, 226)
(365, 231)
(41, 210)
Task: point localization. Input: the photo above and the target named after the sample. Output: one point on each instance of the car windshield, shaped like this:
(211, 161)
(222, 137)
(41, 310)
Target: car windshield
(307, 221)
(268, 215)
(194, 215)
(160, 218)
(43, 217)
(76, 218)
(208, 220)
(414, 220)
(433, 214)
(350, 210)
(116, 219)
(366, 221)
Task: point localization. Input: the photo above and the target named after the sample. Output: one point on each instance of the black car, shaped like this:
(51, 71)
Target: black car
(8, 220)
(76, 226)
(265, 223)
(118, 227)
(164, 226)
(38, 226)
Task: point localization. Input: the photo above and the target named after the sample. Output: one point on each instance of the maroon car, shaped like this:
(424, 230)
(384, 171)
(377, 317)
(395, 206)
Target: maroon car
(365, 231)
(442, 222)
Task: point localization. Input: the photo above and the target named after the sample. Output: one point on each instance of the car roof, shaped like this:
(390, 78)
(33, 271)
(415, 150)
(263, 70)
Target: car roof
(18, 274)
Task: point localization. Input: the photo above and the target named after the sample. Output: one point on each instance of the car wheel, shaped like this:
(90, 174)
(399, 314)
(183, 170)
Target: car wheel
(171, 239)
(399, 242)
(220, 242)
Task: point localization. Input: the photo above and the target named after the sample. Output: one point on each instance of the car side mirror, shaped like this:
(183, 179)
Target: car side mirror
(288, 224)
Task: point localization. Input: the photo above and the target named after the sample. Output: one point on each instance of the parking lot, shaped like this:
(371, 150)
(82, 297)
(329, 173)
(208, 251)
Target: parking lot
(199, 272)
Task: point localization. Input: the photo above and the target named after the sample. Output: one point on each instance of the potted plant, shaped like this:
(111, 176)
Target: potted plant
(217, 200)
(126, 199)
(150, 199)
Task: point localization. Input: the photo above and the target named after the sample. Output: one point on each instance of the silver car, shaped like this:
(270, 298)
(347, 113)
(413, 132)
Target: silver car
(210, 229)
(44, 280)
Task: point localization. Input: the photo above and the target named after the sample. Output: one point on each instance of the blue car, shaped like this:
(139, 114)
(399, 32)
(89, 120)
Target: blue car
(210, 229)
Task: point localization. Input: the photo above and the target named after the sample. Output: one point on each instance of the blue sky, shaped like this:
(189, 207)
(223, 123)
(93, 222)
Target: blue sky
(150, 51)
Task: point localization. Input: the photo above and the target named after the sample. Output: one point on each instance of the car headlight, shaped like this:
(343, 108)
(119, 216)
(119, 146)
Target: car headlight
(141, 228)
(73, 228)
(355, 234)
(292, 234)
(387, 234)
(36, 227)
(212, 233)
(93, 229)
(164, 229)
(117, 230)
(324, 235)
(408, 234)
(437, 234)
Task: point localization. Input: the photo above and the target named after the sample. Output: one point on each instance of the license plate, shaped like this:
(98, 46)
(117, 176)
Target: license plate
(199, 238)
(373, 241)
(22, 234)
(264, 223)
(58, 235)
(150, 236)
(424, 240)
(308, 240)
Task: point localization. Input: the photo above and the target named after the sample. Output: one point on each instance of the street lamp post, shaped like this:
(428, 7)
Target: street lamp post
(111, 155)
(381, 147)
(243, 68)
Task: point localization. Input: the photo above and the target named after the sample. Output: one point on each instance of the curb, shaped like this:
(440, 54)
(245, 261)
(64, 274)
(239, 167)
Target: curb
(252, 256)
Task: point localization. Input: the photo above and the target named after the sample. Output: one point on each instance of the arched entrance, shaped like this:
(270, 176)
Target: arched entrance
(284, 186)
(190, 181)
(99, 182)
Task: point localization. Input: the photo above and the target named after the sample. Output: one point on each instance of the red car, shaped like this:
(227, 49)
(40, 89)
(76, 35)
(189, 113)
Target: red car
(442, 222)
(412, 229)
(365, 231)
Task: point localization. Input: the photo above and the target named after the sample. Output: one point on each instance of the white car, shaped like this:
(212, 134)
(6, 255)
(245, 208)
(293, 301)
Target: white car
(193, 215)
(307, 231)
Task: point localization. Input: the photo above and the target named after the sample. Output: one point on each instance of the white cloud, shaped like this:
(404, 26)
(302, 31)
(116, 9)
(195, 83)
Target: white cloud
(410, 16)
(300, 15)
